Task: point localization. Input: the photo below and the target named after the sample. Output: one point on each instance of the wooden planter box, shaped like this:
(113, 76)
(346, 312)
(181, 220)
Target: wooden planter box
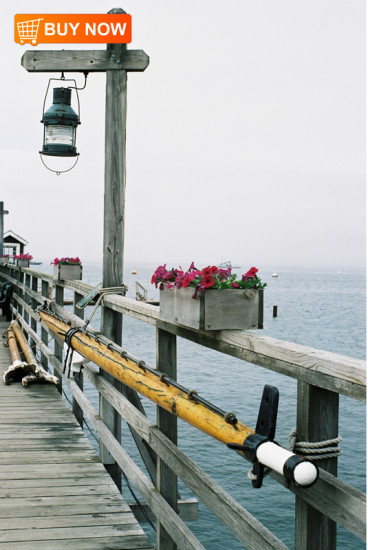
(214, 309)
(70, 272)
(22, 263)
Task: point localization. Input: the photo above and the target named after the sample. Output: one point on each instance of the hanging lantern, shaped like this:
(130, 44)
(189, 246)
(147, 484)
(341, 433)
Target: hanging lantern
(60, 126)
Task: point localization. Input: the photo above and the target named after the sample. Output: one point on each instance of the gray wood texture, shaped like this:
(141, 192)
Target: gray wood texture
(212, 310)
(69, 272)
(83, 60)
(317, 420)
(78, 412)
(54, 491)
(167, 481)
(58, 349)
(114, 226)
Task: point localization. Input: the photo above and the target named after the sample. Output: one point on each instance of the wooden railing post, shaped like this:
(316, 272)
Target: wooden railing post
(167, 481)
(34, 305)
(58, 349)
(44, 335)
(27, 283)
(20, 277)
(77, 410)
(317, 420)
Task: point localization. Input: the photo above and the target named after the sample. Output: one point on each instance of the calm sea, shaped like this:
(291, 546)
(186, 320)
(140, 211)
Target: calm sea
(325, 310)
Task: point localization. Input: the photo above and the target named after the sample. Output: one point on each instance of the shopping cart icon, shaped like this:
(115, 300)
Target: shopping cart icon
(28, 30)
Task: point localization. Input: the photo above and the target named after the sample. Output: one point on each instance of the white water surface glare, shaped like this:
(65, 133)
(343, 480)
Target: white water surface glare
(320, 309)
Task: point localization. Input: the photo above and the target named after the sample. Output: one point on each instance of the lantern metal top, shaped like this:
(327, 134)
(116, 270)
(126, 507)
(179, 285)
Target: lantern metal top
(61, 111)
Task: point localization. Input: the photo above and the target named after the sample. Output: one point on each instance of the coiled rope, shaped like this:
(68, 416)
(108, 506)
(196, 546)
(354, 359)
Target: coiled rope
(318, 450)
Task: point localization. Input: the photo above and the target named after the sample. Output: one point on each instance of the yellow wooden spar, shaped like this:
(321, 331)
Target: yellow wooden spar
(148, 384)
(25, 347)
(13, 348)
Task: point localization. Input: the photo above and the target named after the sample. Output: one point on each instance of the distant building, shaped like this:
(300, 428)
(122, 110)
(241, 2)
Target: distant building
(13, 244)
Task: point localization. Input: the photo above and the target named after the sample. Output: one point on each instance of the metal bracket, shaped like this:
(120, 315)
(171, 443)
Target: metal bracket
(265, 431)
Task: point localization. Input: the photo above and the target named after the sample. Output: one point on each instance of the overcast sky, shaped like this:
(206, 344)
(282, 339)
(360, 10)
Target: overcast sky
(245, 136)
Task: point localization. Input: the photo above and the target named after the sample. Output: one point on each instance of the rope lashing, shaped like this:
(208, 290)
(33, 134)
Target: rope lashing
(317, 450)
(69, 354)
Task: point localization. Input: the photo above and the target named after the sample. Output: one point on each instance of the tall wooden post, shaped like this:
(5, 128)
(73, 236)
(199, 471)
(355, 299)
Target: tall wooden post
(317, 420)
(113, 242)
(116, 60)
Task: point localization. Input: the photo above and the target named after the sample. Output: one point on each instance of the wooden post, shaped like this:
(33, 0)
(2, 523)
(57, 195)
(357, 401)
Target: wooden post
(274, 311)
(113, 242)
(77, 410)
(58, 349)
(20, 277)
(317, 420)
(44, 335)
(116, 60)
(167, 481)
(2, 213)
(27, 283)
(34, 304)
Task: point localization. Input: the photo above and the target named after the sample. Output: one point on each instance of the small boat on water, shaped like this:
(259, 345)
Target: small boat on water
(134, 272)
(274, 275)
(228, 264)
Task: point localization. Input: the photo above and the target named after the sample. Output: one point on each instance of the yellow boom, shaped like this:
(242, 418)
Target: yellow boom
(150, 385)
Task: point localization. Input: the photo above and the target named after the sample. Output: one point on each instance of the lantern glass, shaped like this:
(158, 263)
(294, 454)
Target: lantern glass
(63, 135)
(60, 126)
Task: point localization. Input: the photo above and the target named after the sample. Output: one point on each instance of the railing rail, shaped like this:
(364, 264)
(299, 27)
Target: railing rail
(328, 372)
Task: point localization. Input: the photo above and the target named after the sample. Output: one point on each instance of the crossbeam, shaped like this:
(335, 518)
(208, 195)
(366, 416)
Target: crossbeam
(45, 61)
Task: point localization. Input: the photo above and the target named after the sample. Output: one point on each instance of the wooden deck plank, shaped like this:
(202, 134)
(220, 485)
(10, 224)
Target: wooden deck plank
(54, 491)
(132, 543)
(76, 520)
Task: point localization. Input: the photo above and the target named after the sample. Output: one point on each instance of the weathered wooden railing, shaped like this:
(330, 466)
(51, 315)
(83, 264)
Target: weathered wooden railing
(321, 377)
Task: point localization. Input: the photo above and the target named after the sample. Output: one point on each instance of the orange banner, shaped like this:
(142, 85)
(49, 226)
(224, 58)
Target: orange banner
(72, 28)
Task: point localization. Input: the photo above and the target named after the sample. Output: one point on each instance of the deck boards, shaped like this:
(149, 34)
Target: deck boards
(54, 492)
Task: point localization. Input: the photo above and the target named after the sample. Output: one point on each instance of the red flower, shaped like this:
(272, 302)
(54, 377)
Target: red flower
(208, 281)
(235, 285)
(251, 273)
(186, 281)
(213, 269)
(206, 271)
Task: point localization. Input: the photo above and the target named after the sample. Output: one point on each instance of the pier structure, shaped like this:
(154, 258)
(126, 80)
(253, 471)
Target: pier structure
(55, 492)
(322, 376)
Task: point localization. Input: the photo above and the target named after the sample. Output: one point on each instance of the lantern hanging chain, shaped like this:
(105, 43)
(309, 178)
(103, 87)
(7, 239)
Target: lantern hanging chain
(229, 417)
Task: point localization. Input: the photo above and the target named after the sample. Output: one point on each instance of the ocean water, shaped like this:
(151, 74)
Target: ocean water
(321, 309)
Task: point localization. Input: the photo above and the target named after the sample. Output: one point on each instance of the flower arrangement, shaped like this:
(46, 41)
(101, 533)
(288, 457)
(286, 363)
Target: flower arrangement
(206, 278)
(23, 257)
(66, 261)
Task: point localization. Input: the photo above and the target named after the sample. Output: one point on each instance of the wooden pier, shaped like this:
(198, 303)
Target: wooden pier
(54, 491)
